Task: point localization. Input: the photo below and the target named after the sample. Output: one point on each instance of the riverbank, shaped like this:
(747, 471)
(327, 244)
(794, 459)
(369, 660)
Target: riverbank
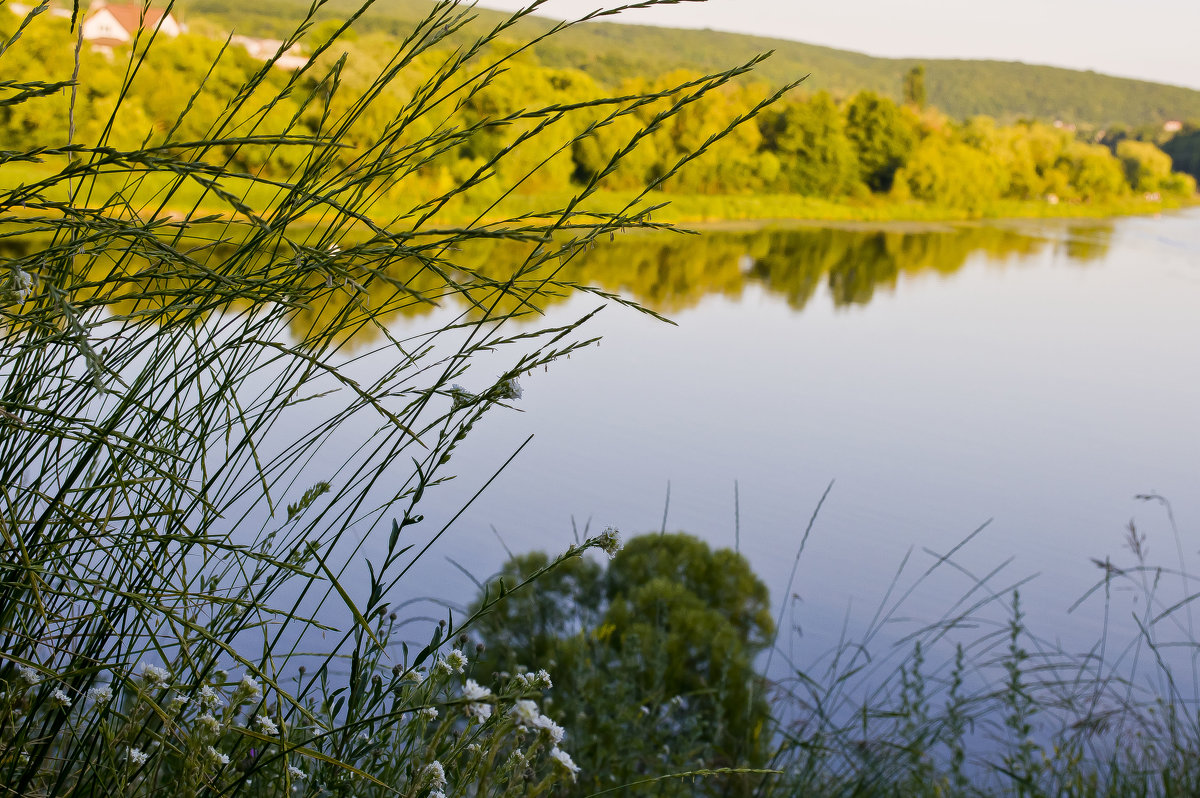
(722, 209)
(693, 210)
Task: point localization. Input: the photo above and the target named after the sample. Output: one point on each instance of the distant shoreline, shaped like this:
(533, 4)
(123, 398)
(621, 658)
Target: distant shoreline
(913, 225)
(732, 211)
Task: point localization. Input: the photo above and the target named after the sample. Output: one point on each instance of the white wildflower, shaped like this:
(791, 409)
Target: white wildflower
(208, 697)
(20, 285)
(60, 699)
(217, 756)
(516, 760)
(543, 678)
(475, 691)
(435, 774)
(247, 690)
(208, 723)
(429, 713)
(563, 758)
(100, 695)
(296, 773)
(154, 675)
(547, 724)
(510, 389)
(609, 541)
(454, 662)
(479, 711)
(525, 713)
(461, 397)
(437, 794)
(136, 756)
(266, 725)
(28, 674)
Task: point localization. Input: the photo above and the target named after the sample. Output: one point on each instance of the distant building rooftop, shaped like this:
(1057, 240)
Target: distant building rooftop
(110, 25)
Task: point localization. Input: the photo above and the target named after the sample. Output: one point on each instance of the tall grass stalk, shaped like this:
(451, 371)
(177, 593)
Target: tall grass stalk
(177, 526)
(975, 703)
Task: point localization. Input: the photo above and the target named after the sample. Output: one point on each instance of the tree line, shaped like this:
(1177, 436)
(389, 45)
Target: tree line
(611, 52)
(866, 148)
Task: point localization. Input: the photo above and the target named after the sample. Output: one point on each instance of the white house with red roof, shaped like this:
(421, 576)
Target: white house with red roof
(111, 25)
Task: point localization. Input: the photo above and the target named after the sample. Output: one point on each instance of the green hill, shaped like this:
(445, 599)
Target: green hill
(611, 51)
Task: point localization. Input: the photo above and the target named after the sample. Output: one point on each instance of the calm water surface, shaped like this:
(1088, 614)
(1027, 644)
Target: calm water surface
(1036, 375)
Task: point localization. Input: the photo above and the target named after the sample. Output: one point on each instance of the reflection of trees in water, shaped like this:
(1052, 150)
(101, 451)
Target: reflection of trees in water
(667, 273)
(1088, 242)
(855, 263)
(345, 292)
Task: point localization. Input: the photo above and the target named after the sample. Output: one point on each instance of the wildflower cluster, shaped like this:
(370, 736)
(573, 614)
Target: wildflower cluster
(158, 726)
(609, 541)
(475, 693)
(17, 287)
(509, 389)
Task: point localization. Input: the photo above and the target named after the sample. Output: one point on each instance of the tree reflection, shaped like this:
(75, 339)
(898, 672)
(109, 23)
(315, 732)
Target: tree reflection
(664, 272)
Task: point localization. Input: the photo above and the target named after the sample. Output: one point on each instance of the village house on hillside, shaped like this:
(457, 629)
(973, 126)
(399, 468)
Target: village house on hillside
(109, 25)
(112, 25)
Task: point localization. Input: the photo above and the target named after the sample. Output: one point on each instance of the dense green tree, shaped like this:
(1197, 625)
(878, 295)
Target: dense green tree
(42, 121)
(1144, 164)
(809, 139)
(652, 660)
(723, 578)
(951, 174)
(733, 164)
(1184, 149)
(528, 628)
(1093, 171)
(593, 154)
(1147, 168)
(523, 84)
(882, 136)
(914, 86)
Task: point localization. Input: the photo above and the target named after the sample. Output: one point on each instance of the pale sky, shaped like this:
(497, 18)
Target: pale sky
(1150, 39)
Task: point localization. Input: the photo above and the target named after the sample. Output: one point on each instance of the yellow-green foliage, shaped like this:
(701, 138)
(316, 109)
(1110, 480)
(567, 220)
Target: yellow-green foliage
(1147, 168)
(952, 174)
(807, 144)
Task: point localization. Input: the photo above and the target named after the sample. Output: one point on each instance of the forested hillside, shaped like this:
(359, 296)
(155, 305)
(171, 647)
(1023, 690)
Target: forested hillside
(611, 52)
(863, 150)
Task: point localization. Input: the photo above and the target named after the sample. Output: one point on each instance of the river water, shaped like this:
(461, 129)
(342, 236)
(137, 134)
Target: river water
(1030, 376)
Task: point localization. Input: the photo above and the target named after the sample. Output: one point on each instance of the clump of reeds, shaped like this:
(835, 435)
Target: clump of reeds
(173, 367)
(975, 703)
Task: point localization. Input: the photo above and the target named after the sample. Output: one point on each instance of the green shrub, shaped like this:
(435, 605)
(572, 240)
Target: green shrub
(653, 659)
